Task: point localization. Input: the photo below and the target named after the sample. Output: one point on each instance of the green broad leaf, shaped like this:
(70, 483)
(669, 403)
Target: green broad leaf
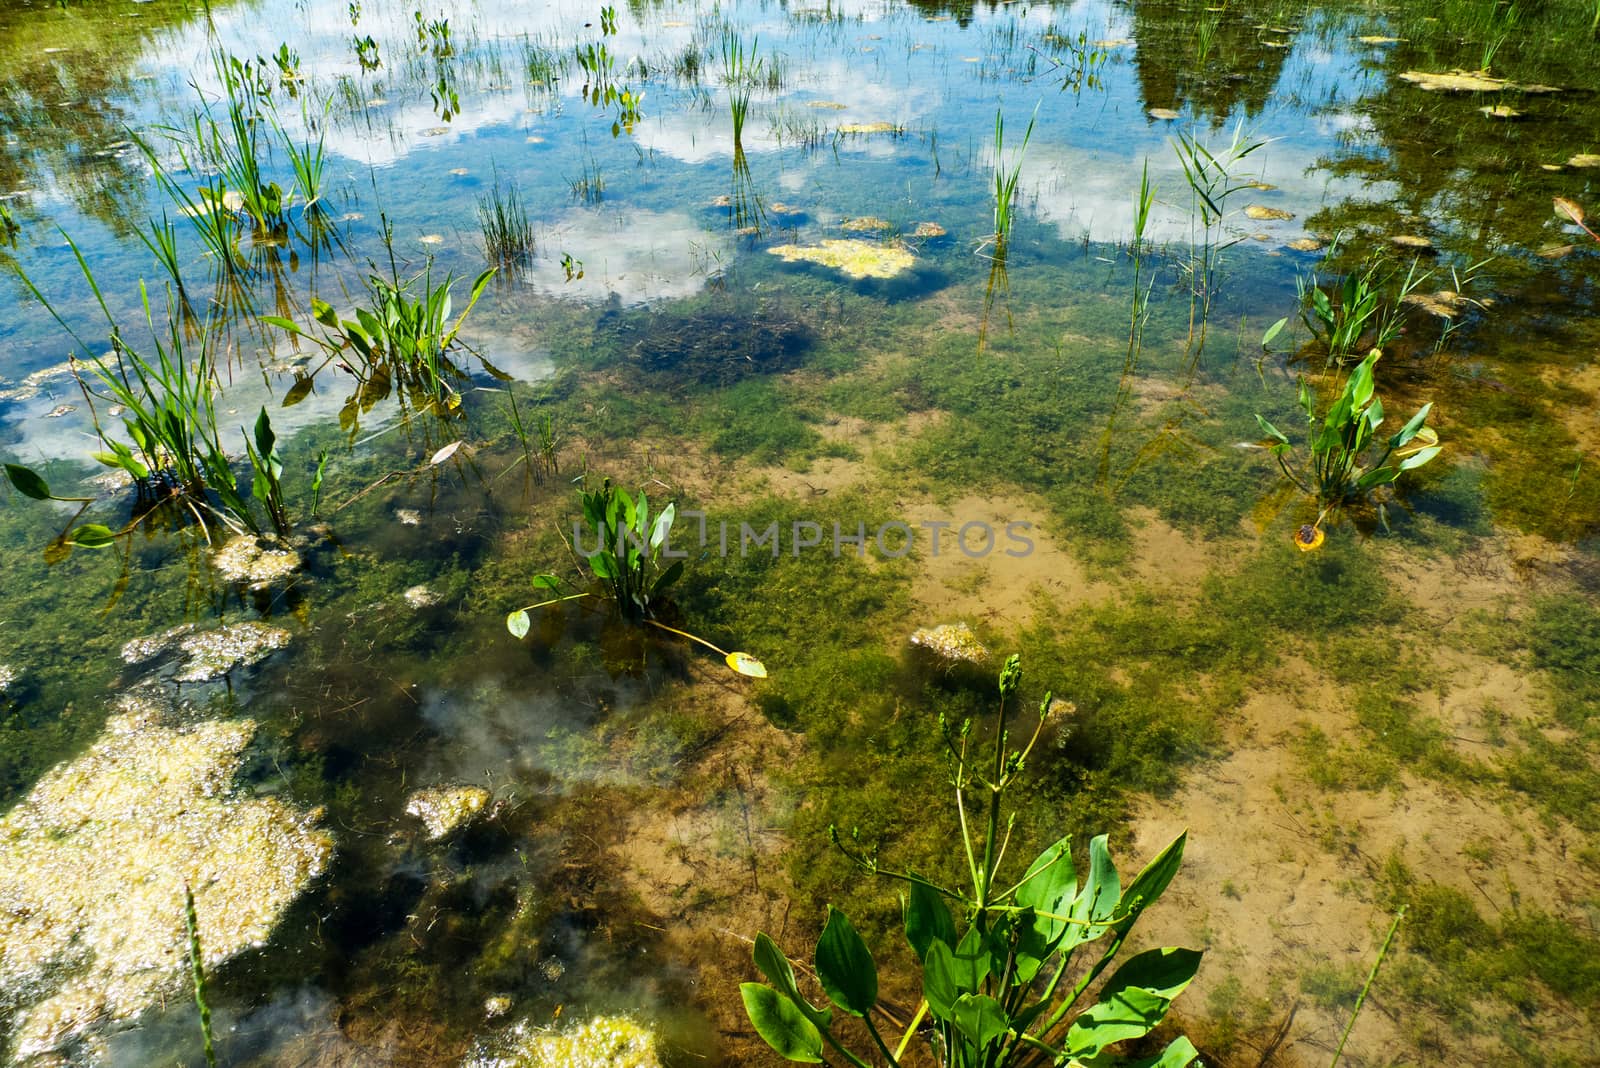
(28, 482)
(774, 964)
(1096, 903)
(517, 623)
(667, 578)
(1273, 331)
(1049, 886)
(284, 324)
(939, 979)
(1150, 883)
(1420, 457)
(1271, 431)
(323, 313)
(662, 526)
(927, 920)
(1180, 1053)
(546, 582)
(781, 1024)
(1359, 388)
(982, 1019)
(1047, 890)
(1378, 476)
(1414, 424)
(972, 961)
(604, 565)
(299, 391)
(265, 438)
(845, 967)
(1134, 1000)
(91, 536)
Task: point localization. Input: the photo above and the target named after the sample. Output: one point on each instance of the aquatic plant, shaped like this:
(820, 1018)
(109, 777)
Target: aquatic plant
(197, 974)
(1006, 176)
(628, 565)
(741, 69)
(1339, 469)
(994, 993)
(167, 400)
(9, 227)
(408, 332)
(507, 233)
(162, 241)
(1210, 175)
(1360, 313)
(1366, 988)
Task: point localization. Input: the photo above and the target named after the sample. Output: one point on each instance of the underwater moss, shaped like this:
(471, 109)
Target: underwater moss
(599, 1042)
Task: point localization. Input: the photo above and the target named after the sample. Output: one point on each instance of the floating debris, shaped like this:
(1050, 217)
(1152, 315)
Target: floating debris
(868, 128)
(852, 256)
(257, 561)
(828, 104)
(213, 653)
(408, 517)
(1585, 159)
(8, 675)
(436, 131)
(1376, 40)
(459, 171)
(420, 597)
(496, 1006)
(1421, 244)
(929, 230)
(866, 224)
(1165, 114)
(59, 410)
(1501, 111)
(600, 1042)
(92, 868)
(778, 207)
(443, 809)
(1304, 244)
(1262, 213)
(954, 642)
(1465, 81)
(431, 239)
(351, 216)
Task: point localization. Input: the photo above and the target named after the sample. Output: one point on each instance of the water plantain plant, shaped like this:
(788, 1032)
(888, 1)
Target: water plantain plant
(628, 563)
(1340, 468)
(1357, 315)
(407, 335)
(1004, 988)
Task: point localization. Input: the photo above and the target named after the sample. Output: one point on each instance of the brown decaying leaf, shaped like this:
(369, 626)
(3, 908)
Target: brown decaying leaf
(1570, 209)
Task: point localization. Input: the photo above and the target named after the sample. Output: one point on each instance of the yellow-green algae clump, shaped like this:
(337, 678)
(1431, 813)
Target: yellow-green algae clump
(94, 860)
(953, 642)
(599, 1042)
(442, 809)
(856, 258)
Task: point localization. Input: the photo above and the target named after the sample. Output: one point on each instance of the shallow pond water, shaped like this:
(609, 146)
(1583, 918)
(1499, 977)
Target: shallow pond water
(759, 276)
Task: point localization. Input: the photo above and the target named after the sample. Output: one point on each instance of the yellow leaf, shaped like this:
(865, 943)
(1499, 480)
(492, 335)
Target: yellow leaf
(745, 664)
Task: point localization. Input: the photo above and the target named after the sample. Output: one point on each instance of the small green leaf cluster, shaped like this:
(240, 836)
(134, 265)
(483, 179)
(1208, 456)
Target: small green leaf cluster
(1339, 470)
(626, 557)
(404, 337)
(1002, 990)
